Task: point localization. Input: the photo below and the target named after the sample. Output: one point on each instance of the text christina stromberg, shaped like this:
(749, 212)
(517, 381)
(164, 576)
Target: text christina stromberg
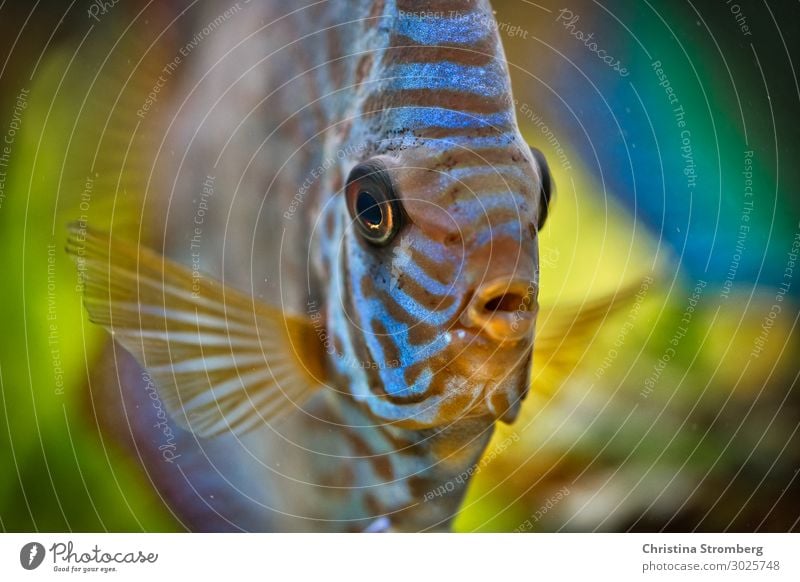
(701, 549)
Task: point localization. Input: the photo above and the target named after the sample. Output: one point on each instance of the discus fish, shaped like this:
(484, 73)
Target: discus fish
(400, 222)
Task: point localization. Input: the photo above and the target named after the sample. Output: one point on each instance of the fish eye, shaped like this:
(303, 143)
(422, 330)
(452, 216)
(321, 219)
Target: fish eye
(372, 204)
(546, 192)
(369, 211)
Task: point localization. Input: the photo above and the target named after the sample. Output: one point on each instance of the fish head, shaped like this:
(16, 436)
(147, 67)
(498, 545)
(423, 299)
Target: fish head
(434, 297)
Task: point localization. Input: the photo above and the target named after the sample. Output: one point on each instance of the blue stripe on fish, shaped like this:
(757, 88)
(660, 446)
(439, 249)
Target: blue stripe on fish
(493, 233)
(500, 170)
(447, 76)
(427, 29)
(421, 313)
(426, 117)
(398, 334)
(476, 209)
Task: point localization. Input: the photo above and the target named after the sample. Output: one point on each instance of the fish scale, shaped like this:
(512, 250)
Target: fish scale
(410, 395)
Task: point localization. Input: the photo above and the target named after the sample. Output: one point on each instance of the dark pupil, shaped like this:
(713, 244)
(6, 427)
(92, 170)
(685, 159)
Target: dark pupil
(369, 210)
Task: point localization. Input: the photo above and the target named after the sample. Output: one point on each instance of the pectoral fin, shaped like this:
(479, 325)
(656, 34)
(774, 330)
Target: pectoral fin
(565, 335)
(222, 361)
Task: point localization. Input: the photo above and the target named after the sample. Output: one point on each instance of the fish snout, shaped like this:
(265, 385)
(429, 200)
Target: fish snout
(504, 308)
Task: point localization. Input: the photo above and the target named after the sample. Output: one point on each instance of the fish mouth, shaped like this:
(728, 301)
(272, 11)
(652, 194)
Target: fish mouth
(503, 310)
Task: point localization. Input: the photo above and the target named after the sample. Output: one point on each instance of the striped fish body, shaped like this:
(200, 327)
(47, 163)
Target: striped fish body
(426, 337)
